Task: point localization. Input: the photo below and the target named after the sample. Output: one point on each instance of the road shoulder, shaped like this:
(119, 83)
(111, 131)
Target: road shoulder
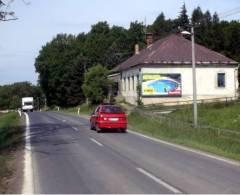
(12, 182)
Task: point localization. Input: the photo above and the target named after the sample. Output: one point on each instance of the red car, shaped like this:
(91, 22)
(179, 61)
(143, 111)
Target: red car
(108, 117)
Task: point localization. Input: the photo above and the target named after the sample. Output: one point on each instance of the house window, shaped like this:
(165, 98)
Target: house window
(221, 80)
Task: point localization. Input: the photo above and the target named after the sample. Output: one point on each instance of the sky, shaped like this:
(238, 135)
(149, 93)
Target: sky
(40, 20)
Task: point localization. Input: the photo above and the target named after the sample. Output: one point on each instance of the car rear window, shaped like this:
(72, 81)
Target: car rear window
(112, 109)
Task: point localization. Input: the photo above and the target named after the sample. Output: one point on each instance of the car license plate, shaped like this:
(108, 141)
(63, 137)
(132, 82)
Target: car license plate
(113, 119)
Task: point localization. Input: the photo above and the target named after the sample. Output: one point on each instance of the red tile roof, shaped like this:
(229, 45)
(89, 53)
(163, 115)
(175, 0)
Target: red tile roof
(172, 50)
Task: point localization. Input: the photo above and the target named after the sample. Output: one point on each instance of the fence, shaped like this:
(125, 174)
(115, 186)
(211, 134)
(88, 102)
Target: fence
(186, 125)
(199, 101)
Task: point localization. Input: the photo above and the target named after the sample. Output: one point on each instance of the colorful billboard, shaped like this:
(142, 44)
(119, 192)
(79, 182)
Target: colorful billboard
(161, 85)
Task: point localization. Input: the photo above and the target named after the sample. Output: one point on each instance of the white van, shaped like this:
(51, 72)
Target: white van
(27, 104)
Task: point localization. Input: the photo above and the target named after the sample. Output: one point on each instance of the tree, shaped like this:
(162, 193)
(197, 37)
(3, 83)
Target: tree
(119, 48)
(11, 95)
(136, 34)
(96, 84)
(215, 18)
(161, 27)
(100, 28)
(197, 15)
(4, 14)
(54, 65)
(61, 62)
(183, 20)
(74, 90)
(97, 43)
(232, 41)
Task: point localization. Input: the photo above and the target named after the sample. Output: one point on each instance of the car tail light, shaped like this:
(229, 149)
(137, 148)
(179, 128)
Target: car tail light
(102, 117)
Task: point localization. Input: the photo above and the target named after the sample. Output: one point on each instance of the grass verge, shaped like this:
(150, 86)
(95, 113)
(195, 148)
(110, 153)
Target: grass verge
(219, 115)
(10, 132)
(10, 137)
(182, 133)
(83, 109)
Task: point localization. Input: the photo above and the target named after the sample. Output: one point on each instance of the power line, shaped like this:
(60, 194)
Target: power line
(229, 12)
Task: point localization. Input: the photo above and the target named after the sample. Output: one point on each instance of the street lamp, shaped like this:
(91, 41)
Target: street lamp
(195, 121)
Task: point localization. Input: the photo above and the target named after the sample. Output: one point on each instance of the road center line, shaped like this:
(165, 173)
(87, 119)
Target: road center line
(95, 141)
(76, 129)
(159, 181)
(28, 172)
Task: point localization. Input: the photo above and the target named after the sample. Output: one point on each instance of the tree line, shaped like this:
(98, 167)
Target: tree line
(11, 95)
(63, 62)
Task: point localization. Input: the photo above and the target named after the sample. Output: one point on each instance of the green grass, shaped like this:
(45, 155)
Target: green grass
(219, 115)
(84, 109)
(183, 133)
(10, 132)
(10, 137)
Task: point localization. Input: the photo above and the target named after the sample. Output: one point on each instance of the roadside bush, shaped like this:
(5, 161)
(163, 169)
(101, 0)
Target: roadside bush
(96, 84)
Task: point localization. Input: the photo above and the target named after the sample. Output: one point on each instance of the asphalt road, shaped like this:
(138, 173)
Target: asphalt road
(68, 157)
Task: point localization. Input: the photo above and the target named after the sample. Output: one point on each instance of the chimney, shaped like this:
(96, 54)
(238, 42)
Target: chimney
(136, 49)
(149, 39)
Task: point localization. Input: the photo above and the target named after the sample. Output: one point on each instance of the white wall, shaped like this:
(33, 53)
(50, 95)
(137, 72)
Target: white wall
(206, 83)
(128, 91)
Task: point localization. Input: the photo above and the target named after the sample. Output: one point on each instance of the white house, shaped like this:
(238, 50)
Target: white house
(163, 72)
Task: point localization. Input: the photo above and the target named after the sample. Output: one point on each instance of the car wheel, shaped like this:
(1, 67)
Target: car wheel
(124, 130)
(97, 129)
(92, 126)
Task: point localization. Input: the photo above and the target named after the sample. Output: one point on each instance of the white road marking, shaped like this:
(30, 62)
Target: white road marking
(76, 129)
(64, 121)
(95, 141)
(28, 172)
(159, 181)
(232, 162)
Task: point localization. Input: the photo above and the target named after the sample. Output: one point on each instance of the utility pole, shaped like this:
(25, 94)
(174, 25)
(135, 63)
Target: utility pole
(195, 113)
(194, 82)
